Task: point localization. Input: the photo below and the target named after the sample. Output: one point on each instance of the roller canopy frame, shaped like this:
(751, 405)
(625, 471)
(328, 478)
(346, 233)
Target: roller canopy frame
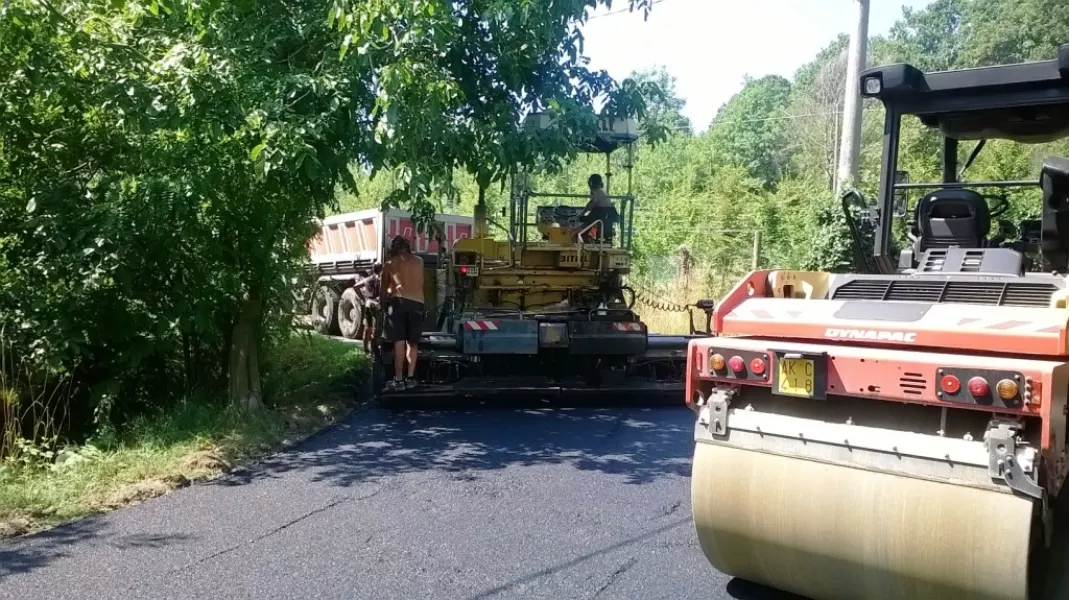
(1026, 103)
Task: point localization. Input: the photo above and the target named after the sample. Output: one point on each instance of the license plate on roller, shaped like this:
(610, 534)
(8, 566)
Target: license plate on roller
(796, 377)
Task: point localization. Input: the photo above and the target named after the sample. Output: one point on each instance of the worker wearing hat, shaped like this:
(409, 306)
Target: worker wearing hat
(402, 301)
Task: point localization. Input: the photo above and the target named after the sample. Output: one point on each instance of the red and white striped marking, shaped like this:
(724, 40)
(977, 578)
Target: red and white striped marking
(480, 325)
(627, 326)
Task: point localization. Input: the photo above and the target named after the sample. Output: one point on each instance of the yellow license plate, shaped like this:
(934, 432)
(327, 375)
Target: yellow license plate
(796, 377)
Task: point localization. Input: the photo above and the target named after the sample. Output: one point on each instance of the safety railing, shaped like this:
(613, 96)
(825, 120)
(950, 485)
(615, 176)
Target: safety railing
(511, 238)
(579, 242)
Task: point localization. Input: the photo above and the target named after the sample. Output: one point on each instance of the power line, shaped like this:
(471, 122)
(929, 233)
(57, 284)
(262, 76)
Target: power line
(762, 119)
(783, 118)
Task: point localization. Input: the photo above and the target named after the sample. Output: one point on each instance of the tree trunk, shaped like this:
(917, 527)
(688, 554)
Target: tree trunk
(245, 390)
(187, 359)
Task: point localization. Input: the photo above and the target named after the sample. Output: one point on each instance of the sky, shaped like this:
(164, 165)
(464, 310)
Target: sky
(711, 45)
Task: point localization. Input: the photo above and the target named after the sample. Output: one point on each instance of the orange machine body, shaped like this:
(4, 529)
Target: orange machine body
(927, 354)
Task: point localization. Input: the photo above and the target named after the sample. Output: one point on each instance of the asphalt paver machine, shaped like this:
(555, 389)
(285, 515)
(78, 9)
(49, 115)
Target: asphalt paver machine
(539, 305)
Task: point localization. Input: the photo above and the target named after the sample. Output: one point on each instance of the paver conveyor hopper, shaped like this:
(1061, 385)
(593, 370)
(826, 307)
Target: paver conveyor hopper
(901, 434)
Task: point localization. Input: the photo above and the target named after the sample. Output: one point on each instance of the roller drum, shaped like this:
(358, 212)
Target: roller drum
(836, 532)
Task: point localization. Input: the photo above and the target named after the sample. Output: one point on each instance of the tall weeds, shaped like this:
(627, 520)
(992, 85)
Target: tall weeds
(34, 409)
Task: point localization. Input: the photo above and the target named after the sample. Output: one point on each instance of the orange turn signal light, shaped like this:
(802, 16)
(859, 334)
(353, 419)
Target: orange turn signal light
(1007, 389)
(716, 362)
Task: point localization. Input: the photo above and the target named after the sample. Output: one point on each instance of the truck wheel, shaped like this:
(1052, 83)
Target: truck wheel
(325, 311)
(350, 314)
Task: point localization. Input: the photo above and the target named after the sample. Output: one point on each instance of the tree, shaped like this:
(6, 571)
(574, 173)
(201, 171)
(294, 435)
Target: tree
(817, 102)
(666, 106)
(163, 160)
(453, 91)
(1004, 31)
(748, 130)
(930, 38)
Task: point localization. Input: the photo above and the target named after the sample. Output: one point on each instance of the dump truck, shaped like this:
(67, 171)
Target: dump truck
(352, 243)
(900, 434)
(538, 305)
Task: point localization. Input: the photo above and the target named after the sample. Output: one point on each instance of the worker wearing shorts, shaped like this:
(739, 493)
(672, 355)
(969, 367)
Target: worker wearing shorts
(404, 320)
(402, 301)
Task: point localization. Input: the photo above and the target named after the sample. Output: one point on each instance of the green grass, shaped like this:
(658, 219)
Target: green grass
(307, 382)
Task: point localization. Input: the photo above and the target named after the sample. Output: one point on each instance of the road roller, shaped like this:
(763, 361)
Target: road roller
(899, 432)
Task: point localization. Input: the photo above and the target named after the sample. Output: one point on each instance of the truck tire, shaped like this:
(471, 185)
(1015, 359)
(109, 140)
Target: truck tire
(325, 311)
(350, 314)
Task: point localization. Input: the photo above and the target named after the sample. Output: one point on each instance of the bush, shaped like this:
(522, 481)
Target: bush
(309, 382)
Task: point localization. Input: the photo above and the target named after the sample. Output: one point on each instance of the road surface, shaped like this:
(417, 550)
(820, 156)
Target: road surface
(573, 503)
(493, 504)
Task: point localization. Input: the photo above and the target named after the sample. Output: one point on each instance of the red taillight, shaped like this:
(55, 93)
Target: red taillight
(950, 384)
(463, 270)
(735, 363)
(978, 386)
(757, 365)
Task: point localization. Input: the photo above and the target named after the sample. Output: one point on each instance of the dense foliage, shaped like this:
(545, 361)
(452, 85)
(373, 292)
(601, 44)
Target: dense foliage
(161, 160)
(767, 161)
(161, 163)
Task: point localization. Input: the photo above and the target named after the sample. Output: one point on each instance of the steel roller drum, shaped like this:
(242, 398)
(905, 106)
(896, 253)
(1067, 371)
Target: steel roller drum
(834, 532)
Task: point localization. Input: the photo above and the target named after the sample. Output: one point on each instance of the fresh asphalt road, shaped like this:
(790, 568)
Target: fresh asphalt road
(468, 504)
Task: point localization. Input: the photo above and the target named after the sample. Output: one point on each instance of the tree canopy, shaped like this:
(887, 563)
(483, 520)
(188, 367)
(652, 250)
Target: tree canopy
(767, 162)
(162, 161)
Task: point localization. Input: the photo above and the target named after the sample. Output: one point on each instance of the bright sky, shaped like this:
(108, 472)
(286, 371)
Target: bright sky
(710, 45)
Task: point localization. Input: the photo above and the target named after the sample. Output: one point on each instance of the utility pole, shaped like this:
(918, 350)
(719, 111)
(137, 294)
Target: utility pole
(850, 143)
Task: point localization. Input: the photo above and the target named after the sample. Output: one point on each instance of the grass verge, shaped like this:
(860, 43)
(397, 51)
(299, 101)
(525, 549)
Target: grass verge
(308, 382)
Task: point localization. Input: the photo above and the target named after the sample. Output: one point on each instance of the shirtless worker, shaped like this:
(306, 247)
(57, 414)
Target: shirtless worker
(599, 207)
(401, 296)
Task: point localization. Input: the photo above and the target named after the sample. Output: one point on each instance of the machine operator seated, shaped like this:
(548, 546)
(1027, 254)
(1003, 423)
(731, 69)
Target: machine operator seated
(599, 208)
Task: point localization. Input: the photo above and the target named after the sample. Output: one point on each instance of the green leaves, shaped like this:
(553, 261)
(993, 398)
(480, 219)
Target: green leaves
(345, 46)
(452, 81)
(171, 155)
(169, 159)
(255, 153)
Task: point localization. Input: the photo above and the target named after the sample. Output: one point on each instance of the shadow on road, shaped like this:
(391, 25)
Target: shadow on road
(45, 547)
(640, 444)
(632, 442)
(34, 552)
